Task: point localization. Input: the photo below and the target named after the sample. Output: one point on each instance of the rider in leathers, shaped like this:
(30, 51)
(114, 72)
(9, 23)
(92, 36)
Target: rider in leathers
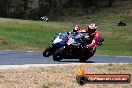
(92, 39)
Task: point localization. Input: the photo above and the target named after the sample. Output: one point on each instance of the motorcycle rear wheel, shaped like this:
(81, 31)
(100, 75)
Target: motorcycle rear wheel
(82, 59)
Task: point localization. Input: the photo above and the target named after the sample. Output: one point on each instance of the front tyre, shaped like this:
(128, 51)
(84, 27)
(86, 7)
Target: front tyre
(47, 52)
(58, 54)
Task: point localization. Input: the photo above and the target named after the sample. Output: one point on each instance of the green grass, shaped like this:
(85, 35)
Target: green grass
(21, 33)
(118, 40)
(36, 35)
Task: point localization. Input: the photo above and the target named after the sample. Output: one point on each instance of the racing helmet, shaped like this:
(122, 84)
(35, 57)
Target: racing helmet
(77, 28)
(92, 28)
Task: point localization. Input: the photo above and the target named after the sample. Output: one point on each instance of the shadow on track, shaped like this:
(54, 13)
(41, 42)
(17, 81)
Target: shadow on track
(79, 61)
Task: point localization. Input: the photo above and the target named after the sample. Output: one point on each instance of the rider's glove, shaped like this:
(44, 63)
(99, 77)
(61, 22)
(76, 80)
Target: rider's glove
(68, 33)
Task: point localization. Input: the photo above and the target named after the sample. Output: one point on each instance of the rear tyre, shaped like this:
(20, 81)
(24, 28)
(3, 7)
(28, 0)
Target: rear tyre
(82, 59)
(47, 52)
(58, 54)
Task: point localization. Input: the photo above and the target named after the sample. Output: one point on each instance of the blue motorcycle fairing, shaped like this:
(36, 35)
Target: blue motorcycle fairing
(59, 39)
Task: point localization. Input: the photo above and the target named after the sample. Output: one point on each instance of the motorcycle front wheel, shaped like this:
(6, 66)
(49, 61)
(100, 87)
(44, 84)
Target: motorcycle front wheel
(47, 52)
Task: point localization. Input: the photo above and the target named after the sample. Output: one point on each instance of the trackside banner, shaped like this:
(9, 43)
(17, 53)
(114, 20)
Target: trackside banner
(82, 77)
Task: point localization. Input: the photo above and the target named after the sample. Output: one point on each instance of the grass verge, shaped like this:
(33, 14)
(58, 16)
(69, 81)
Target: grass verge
(35, 35)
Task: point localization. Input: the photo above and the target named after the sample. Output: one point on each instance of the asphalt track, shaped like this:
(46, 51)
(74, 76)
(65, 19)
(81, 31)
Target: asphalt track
(23, 57)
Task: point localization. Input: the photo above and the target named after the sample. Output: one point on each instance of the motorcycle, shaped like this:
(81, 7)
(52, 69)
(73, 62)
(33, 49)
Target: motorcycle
(72, 49)
(58, 41)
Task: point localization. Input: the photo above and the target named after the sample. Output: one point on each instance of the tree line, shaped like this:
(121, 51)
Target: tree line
(34, 9)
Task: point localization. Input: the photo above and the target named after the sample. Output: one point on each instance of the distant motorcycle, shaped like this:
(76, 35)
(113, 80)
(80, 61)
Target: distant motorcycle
(58, 41)
(72, 49)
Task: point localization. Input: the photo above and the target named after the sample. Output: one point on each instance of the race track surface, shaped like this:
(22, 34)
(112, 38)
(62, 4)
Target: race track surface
(22, 58)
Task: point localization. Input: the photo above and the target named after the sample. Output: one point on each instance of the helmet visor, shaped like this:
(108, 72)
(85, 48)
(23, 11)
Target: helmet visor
(91, 31)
